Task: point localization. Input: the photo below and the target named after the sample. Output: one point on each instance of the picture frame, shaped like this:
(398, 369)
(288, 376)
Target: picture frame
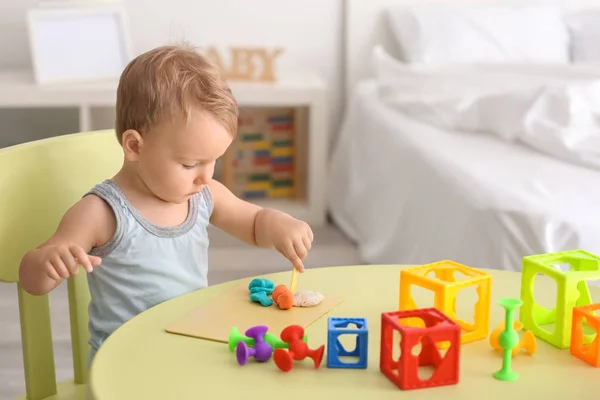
(78, 44)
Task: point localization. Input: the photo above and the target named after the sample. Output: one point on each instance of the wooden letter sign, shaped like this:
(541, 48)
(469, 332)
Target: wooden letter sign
(247, 64)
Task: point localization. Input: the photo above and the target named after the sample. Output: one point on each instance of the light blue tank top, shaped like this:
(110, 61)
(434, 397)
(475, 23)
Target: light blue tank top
(144, 264)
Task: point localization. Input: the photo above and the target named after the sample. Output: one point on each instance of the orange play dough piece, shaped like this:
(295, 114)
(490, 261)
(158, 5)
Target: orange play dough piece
(283, 297)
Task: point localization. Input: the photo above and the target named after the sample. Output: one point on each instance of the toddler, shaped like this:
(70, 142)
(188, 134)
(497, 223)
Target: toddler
(142, 235)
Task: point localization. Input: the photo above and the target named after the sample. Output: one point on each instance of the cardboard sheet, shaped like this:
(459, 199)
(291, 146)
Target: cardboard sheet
(214, 320)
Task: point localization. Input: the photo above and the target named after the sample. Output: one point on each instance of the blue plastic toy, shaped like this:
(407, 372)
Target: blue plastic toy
(335, 350)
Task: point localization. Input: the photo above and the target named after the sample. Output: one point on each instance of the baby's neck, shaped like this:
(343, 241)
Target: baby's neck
(133, 186)
(153, 208)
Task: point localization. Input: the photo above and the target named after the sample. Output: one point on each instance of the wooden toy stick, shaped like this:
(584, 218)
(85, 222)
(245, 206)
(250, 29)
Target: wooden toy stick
(294, 280)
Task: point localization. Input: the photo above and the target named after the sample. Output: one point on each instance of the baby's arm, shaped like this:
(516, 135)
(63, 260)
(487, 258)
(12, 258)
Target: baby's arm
(232, 214)
(262, 227)
(87, 224)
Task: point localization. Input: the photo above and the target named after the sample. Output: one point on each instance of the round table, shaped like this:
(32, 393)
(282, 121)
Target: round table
(142, 361)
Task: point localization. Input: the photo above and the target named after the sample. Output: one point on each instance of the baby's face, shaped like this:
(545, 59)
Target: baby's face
(178, 160)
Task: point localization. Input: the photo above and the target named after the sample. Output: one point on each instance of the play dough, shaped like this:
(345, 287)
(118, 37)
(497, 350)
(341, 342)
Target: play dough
(259, 291)
(307, 298)
(283, 297)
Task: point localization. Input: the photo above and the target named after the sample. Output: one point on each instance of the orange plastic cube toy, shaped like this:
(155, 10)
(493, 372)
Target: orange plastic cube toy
(446, 286)
(580, 341)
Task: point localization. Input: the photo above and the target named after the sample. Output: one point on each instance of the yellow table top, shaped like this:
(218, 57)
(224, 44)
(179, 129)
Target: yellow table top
(142, 361)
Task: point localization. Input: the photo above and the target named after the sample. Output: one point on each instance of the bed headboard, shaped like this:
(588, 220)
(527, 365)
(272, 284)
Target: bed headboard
(365, 26)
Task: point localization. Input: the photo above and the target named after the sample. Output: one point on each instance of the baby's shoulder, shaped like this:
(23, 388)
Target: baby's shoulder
(95, 211)
(95, 205)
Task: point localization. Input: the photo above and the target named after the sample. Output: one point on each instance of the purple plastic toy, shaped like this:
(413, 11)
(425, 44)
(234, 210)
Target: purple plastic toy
(261, 351)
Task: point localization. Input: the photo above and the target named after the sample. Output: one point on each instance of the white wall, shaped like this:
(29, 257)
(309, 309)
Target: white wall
(310, 31)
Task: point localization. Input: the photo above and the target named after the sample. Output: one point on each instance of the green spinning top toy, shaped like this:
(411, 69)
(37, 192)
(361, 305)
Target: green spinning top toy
(508, 339)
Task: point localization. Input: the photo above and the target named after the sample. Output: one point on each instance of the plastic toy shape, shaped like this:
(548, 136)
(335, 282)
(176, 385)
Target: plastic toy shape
(445, 286)
(235, 337)
(298, 350)
(261, 351)
(509, 339)
(527, 342)
(586, 346)
(342, 326)
(404, 372)
(572, 291)
(283, 297)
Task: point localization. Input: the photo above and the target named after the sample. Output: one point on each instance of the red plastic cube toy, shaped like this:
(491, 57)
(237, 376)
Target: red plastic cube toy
(438, 328)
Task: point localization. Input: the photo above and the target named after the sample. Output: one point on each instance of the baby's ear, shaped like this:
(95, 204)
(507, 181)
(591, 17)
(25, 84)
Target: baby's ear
(132, 143)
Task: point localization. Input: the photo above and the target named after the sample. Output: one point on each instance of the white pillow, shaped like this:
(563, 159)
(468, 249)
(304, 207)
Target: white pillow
(585, 36)
(448, 34)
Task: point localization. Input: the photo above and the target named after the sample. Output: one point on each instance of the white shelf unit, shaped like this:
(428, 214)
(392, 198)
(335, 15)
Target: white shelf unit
(19, 90)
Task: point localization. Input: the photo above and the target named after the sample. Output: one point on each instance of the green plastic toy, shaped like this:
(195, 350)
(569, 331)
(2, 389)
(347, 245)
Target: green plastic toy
(236, 336)
(572, 291)
(508, 339)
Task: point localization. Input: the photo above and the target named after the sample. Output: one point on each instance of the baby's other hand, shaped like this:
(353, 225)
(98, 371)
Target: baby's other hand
(63, 260)
(291, 237)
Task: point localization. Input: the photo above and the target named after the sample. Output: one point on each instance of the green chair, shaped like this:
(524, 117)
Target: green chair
(39, 181)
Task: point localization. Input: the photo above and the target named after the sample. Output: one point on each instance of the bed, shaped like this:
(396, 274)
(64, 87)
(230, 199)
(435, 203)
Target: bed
(481, 154)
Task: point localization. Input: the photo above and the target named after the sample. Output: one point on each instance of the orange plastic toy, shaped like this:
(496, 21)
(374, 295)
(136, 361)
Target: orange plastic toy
(527, 342)
(283, 297)
(580, 342)
(440, 277)
(298, 349)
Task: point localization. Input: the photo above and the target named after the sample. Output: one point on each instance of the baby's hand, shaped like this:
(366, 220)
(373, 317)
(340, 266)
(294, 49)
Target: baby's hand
(291, 237)
(63, 260)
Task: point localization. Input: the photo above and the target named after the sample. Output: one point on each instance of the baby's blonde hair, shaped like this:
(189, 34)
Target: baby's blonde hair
(166, 83)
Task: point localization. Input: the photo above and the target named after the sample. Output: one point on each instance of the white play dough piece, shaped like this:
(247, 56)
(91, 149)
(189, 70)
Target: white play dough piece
(307, 298)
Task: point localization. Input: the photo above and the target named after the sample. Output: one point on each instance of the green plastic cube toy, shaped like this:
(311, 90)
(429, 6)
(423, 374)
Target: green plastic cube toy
(572, 290)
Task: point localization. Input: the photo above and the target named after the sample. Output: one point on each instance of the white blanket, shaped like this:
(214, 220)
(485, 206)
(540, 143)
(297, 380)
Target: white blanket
(554, 109)
(410, 193)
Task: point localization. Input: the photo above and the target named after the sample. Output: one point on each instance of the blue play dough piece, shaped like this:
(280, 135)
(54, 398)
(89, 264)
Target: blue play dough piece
(261, 283)
(262, 298)
(259, 291)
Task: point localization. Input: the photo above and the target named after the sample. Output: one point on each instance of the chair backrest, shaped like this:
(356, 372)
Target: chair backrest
(39, 181)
